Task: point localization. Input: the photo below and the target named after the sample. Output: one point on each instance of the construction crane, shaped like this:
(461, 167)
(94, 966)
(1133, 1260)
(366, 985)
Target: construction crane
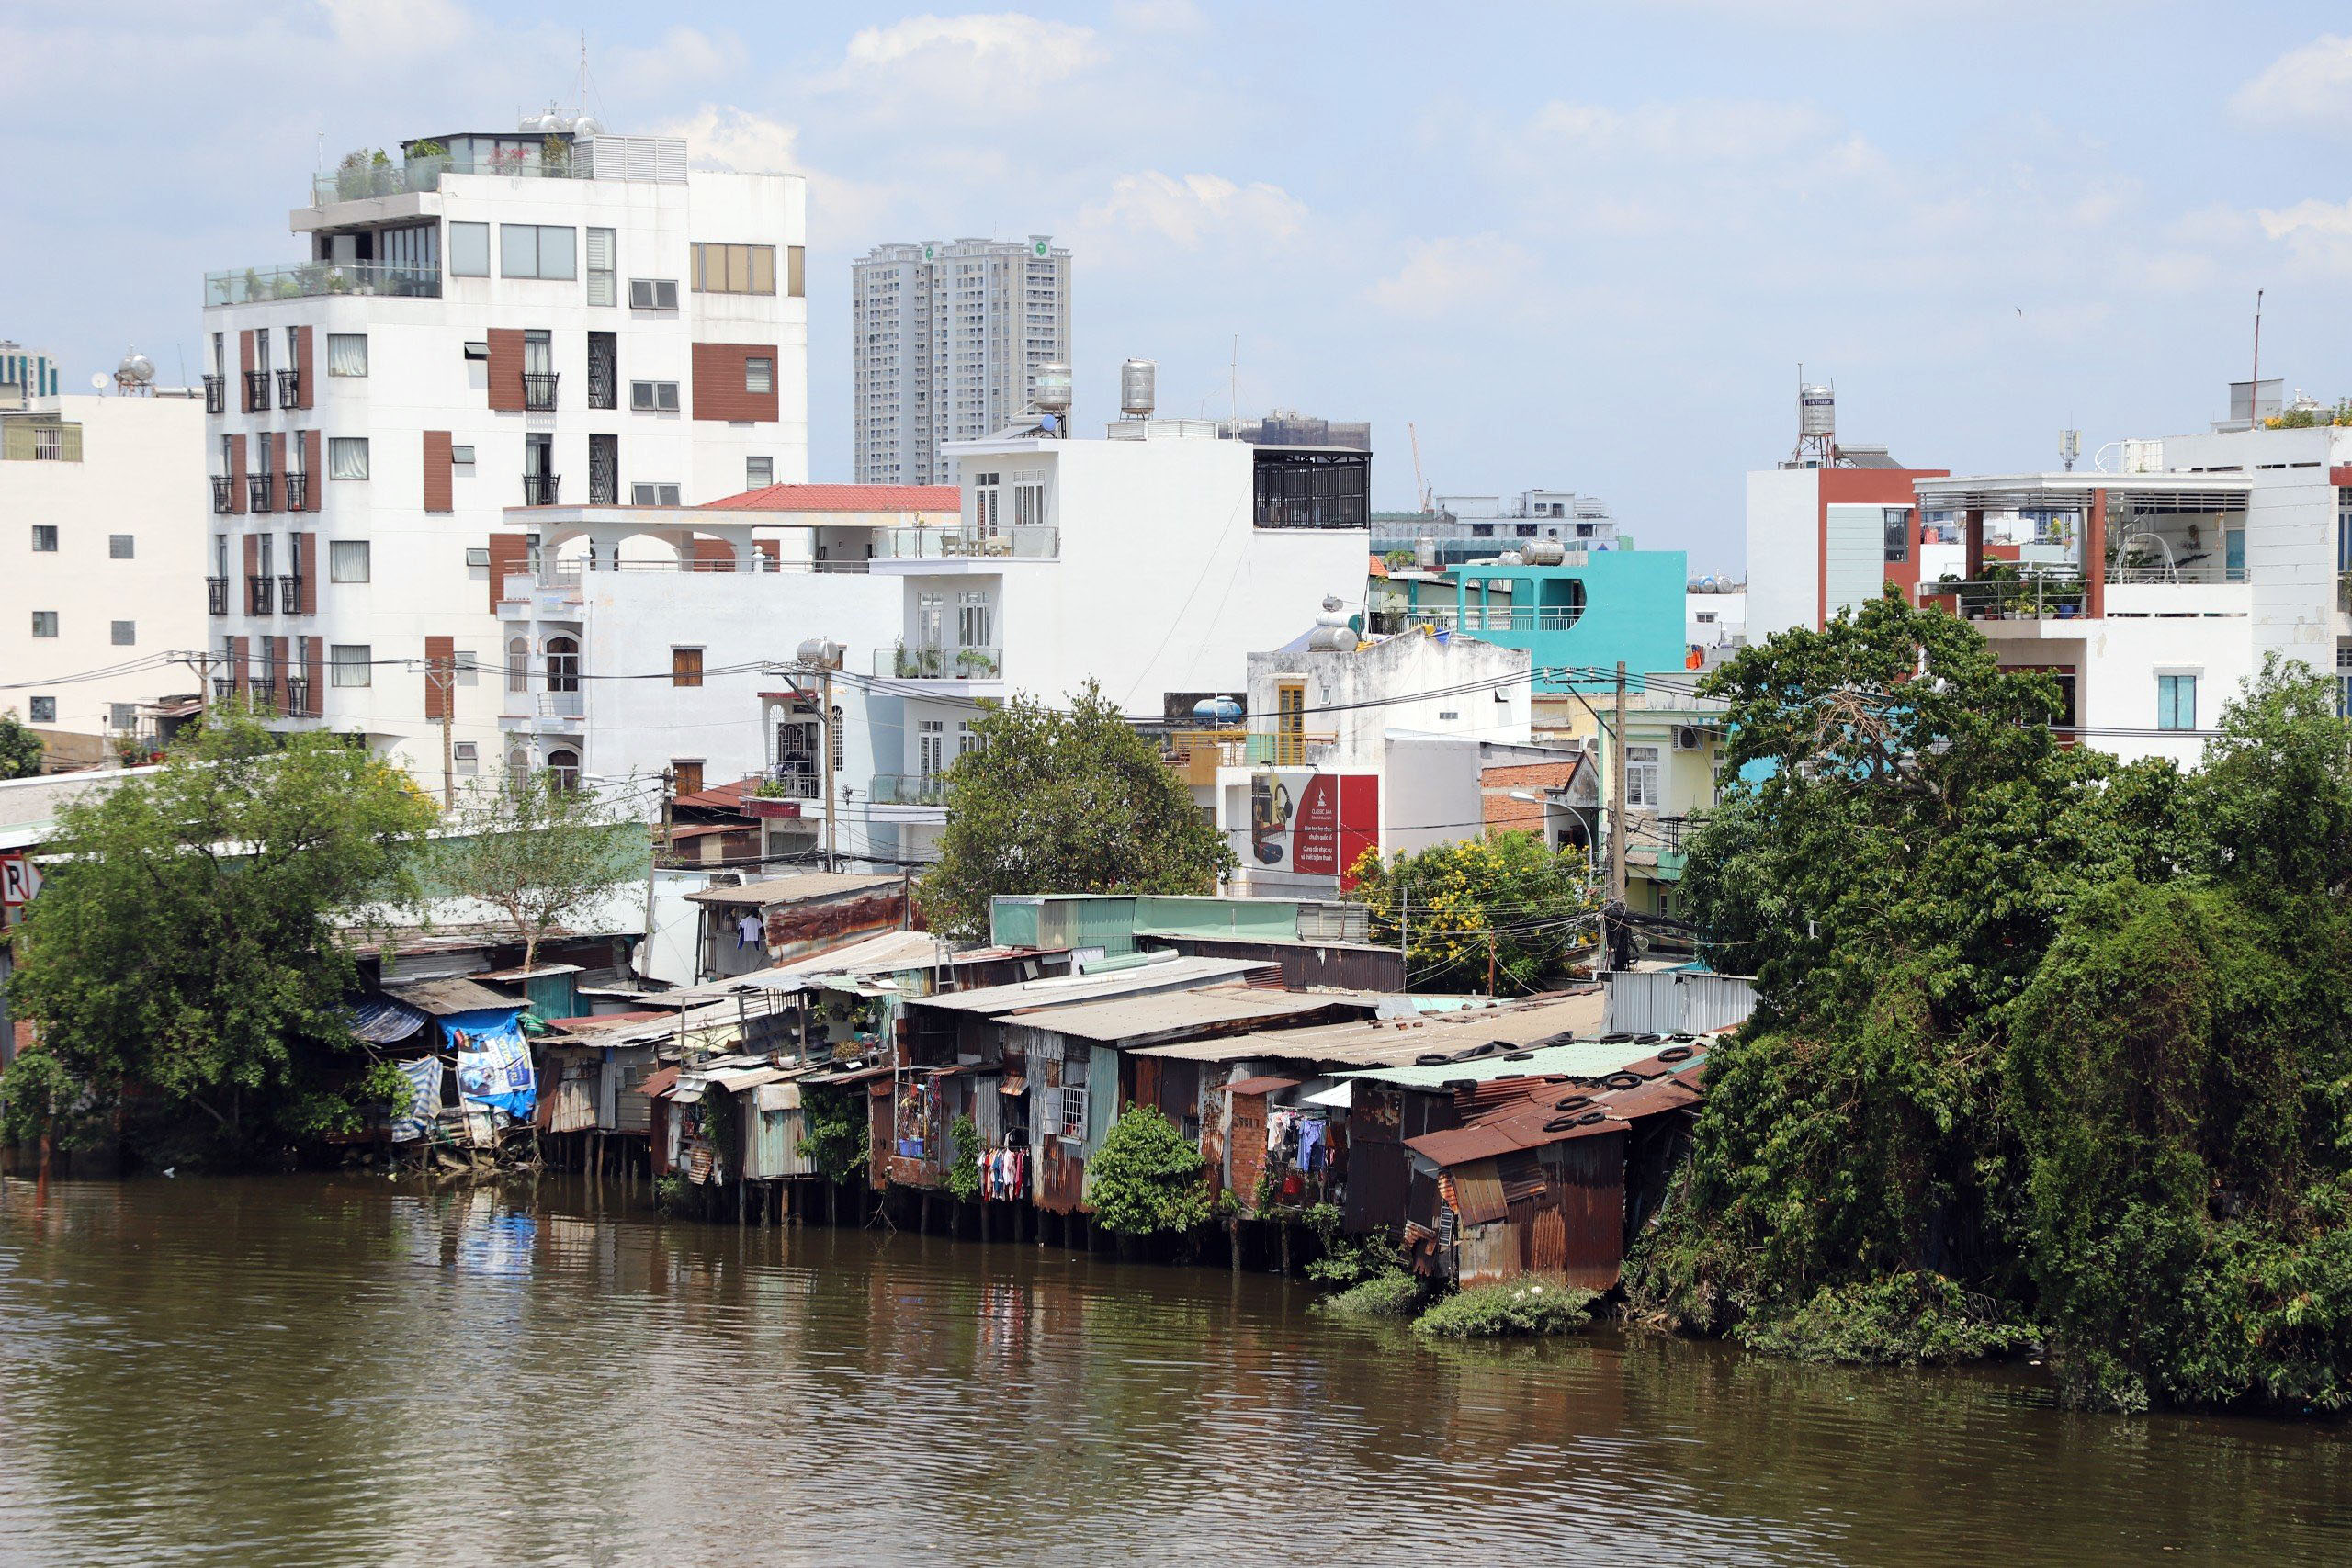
(1419, 484)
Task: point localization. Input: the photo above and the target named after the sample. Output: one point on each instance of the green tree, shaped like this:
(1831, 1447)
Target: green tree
(1503, 898)
(185, 961)
(1064, 802)
(21, 749)
(1145, 1180)
(535, 851)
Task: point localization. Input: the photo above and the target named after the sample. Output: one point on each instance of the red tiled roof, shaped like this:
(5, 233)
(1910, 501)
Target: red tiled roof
(841, 497)
(720, 796)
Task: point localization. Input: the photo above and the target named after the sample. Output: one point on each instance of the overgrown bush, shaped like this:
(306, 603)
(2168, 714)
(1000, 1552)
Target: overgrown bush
(1910, 1317)
(963, 1178)
(1532, 1304)
(1347, 1261)
(835, 1132)
(1397, 1294)
(1145, 1180)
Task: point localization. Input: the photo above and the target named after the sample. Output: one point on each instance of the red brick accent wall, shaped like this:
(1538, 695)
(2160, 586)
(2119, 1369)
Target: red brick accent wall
(506, 368)
(240, 654)
(509, 553)
(440, 475)
(718, 381)
(440, 662)
(314, 492)
(1502, 813)
(236, 473)
(315, 665)
(306, 395)
(277, 673)
(245, 366)
(306, 551)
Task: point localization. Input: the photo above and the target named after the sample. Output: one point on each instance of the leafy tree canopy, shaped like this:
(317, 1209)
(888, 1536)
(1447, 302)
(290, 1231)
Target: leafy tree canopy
(21, 749)
(1145, 1180)
(535, 851)
(1064, 802)
(184, 960)
(1450, 901)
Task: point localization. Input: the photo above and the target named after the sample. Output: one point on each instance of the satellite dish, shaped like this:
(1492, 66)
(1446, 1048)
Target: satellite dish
(98, 379)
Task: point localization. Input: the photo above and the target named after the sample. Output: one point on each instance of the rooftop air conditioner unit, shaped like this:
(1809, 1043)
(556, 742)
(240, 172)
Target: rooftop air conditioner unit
(1689, 738)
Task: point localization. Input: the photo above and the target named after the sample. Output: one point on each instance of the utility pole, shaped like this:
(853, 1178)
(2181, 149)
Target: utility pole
(653, 865)
(1613, 911)
(832, 738)
(1490, 962)
(445, 678)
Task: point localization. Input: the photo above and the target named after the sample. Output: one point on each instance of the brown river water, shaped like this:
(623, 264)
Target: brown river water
(304, 1370)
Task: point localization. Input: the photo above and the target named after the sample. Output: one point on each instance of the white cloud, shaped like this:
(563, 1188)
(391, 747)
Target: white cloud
(1187, 208)
(2318, 233)
(1443, 274)
(397, 29)
(741, 139)
(1160, 16)
(2311, 86)
(966, 59)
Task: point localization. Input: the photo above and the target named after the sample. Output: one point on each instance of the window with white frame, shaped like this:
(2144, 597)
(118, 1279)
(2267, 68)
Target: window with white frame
(984, 504)
(759, 373)
(930, 746)
(469, 250)
(348, 560)
(122, 716)
(44, 538)
(44, 623)
(653, 397)
(653, 495)
(125, 634)
(652, 293)
(44, 710)
(1642, 782)
(2177, 702)
(346, 457)
(121, 547)
(967, 739)
(350, 664)
(603, 285)
(347, 353)
(467, 756)
(972, 619)
(1028, 501)
(758, 472)
(469, 666)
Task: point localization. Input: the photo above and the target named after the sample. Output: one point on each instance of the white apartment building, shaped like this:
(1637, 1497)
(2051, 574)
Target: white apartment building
(102, 557)
(2150, 595)
(947, 339)
(1151, 561)
(554, 316)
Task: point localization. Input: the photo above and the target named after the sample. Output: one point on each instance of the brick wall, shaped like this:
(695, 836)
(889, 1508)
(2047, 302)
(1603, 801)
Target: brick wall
(717, 388)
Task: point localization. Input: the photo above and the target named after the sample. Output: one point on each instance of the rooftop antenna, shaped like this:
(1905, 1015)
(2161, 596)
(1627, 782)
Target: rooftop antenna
(1233, 381)
(2253, 392)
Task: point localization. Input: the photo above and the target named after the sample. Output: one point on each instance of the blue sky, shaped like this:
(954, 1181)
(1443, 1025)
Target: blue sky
(1576, 245)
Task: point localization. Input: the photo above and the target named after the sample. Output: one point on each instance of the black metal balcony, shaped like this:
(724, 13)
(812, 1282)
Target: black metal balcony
(258, 595)
(216, 394)
(224, 688)
(290, 593)
(257, 391)
(539, 390)
(224, 493)
(539, 490)
(298, 697)
(216, 595)
(289, 389)
(261, 492)
(298, 492)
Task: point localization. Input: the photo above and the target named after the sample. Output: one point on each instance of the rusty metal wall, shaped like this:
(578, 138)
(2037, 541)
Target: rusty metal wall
(878, 1116)
(1380, 1167)
(1593, 1210)
(802, 930)
(1352, 968)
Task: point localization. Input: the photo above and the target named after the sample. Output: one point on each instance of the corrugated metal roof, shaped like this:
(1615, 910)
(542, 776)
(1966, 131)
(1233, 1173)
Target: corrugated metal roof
(657, 1082)
(1266, 1085)
(385, 1020)
(1175, 974)
(1395, 1043)
(798, 889)
(1576, 1058)
(443, 999)
(1166, 1012)
(1478, 1192)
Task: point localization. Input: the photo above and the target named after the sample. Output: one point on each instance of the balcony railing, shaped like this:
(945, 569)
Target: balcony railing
(304, 280)
(257, 391)
(290, 593)
(939, 663)
(1493, 618)
(363, 182)
(216, 394)
(261, 492)
(298, 492)
(787, 783)
(539, 390)
(224, 493)
(258, 595)
(216, 595)
(1029, 543)
(289, 389)
(298, 697)
(541, 490)
(908, 789)
(1199, 751)
(224, 688)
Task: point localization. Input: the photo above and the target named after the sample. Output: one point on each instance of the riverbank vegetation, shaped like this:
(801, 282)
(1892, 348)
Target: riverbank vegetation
(2046, 1043)
(1529, 1306)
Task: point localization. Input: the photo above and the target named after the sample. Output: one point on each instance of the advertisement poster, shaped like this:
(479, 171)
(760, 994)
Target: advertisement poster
(1313, 824)
(494, 1061)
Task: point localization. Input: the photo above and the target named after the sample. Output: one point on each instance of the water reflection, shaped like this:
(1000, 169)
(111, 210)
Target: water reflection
(302, 1371)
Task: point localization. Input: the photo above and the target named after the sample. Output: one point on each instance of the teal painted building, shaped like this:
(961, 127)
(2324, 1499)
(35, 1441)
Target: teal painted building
(1615, 604)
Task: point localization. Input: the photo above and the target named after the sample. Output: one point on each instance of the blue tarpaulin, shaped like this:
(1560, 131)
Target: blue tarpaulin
(384, 1020)
(493, 1060)
(423, 1077)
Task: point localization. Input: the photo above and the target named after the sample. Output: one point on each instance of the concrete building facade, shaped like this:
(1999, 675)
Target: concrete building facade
(548, 317)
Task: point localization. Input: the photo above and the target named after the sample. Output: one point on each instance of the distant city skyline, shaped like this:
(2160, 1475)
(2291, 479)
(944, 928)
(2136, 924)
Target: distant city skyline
(1986, 220)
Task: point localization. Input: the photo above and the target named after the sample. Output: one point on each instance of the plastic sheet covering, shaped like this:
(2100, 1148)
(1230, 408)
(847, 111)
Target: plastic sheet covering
(423, 1077)
(494, 1061)
(384, 1020)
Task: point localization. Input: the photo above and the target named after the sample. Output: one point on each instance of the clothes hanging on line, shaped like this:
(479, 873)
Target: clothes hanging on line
(1313, 1151)
(750, 931)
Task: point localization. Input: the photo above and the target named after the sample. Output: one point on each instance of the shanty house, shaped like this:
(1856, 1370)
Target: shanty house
(757, 925)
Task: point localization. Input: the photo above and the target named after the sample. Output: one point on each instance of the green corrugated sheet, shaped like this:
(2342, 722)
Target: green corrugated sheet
(1012, 921)
(1263, 919)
